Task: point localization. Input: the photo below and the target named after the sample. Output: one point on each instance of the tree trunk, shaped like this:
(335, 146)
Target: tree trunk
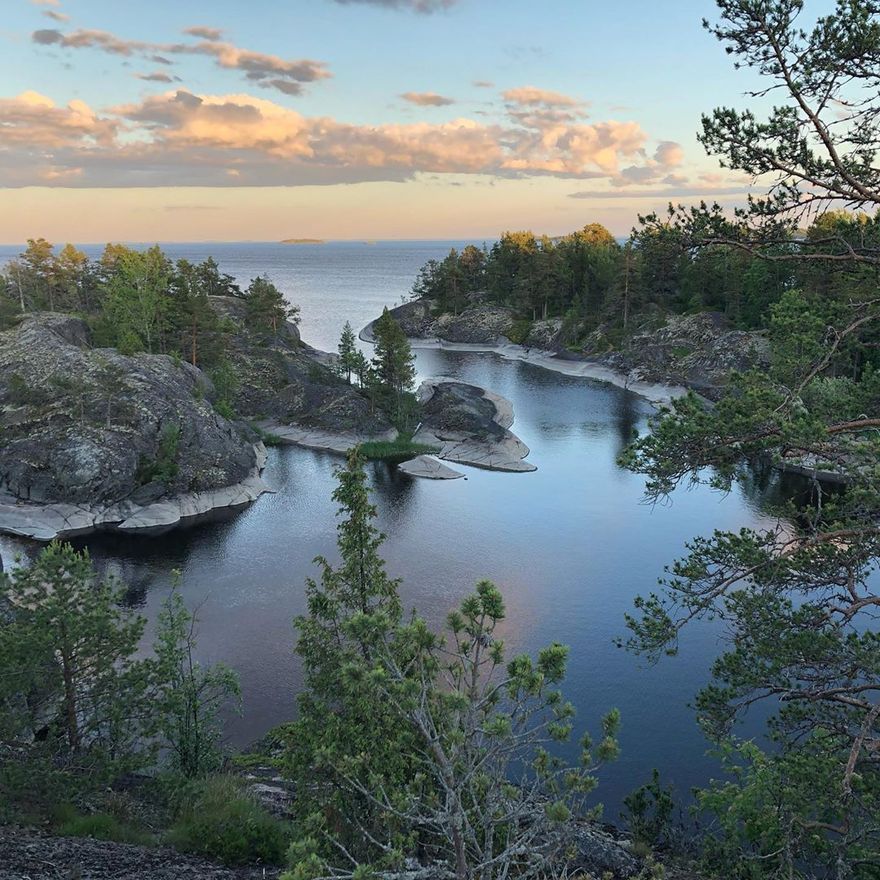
(70, 720)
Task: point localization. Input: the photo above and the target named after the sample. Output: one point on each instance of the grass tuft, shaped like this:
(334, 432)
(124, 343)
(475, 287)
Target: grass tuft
(401, 449)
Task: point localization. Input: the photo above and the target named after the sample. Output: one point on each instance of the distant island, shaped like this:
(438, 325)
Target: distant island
(302, 241)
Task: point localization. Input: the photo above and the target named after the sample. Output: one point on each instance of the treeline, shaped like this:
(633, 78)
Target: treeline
(588, 278)
(138, 301)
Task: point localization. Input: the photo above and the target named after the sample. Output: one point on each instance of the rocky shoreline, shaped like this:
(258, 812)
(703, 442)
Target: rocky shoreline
(663, 360)
(46, 522)
(567, 363)
(95, 440)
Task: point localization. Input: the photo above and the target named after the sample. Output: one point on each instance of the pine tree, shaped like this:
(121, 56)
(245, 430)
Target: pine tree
(189, 696)
(345, 729)
(393, 360)
(69, 666)
(266, 308)
(348, 351)
(411, 743)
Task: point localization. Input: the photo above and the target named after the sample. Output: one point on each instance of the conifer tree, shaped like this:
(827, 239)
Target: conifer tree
(412, 745)
(393, 360)
(344, 729)
(348, 351)
(189, 696)
(266, 307)
(70, 673)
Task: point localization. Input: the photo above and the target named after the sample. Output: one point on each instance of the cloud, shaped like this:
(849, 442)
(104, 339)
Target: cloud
(44, 144)
(424, 6)
(483, 84)
(268, 71)
(55, 15)
(427, 99)
(669, 154)
(157, 76)
(46, 2)
(206, 33)
(531, 96)
(89, 39)
(179, 138)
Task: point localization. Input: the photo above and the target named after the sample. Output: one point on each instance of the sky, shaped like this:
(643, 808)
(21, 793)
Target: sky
(234, 120)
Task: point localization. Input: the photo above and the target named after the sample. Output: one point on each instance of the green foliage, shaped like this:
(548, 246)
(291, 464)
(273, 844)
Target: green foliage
(99, 826)
(392, 376)
(348, 352)
(164, 467)
(217, 819)
(589, 280)
(190, 696)
(401, 449)
(226, 385)
(134, 305)
(519, 331)
(407, 741)
(19, 392)
(648, 811)
(72, 687)
(393, 358)
(344, 727)
(266, 309)
(797, 598)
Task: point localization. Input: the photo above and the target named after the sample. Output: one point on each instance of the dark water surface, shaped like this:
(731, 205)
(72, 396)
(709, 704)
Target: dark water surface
(570, 545)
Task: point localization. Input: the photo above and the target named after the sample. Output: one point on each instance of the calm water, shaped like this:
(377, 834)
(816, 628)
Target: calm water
(570, 544)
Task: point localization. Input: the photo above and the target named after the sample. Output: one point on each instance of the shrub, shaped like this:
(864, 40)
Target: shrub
(519, 331)
(217, 819)
(164, 468)
(224, 408)
(99, 826)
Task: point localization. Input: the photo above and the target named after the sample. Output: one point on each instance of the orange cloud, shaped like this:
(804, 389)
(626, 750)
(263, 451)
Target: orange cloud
(531, 96)
(181, 138)
(32, 119)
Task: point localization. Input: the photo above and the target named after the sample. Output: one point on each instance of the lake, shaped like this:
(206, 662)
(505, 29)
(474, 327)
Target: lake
(570, 545)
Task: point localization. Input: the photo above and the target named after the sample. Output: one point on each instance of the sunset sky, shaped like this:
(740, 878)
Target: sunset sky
(232, 120)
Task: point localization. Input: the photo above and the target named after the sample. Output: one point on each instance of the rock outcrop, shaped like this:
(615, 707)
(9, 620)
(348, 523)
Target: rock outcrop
(470, 425)
(283, 381)
(92, 437)
(697, 351)
(479, 324)
(677, 352)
